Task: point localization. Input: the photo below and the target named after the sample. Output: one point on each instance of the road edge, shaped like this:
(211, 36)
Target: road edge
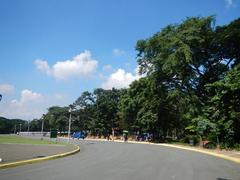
(229, 158)
(36, 160)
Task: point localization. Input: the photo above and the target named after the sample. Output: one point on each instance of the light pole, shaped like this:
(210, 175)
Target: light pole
(20, 128)
(15, 126)
(42, 125)
(69, 123)
(42, 128)
(28, 127)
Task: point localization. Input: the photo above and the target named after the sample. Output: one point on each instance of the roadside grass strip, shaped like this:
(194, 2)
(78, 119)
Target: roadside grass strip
(14, 139)
(57, 145)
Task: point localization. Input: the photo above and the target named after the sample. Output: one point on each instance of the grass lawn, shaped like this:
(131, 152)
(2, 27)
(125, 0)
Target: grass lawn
(25, 140)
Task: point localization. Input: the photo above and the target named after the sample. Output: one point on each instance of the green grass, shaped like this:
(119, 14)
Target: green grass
(24, 140)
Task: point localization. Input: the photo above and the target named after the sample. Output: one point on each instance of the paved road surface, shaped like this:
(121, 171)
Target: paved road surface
(125, 161)
(17, 152)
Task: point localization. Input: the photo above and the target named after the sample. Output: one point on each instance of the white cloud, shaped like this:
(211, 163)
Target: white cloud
(27, 107)
(7, 88)
(79, 66)
(229, 2)
(27, 96)
(59, 96)
(118, 52)
(30, 105)
(120, 79)
(42, 66)
(107, 67)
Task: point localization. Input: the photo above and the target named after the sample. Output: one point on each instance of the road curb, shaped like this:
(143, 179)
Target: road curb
(35, 160)
(233, 159)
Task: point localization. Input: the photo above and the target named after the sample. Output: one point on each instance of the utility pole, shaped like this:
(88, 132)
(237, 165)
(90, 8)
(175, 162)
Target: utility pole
(28, 127)
(20, 128)
(69, 124)
(15, 126)
(42, 127)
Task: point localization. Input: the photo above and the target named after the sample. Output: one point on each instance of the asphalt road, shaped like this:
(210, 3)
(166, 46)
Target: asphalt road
(17, 152)
(125, 161)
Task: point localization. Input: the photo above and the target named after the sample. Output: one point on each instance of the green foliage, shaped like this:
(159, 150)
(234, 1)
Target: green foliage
(8, 125)
(190, 66)
(98, 112)
(188, 138)
(190, 89)
(210, 145)
(57, 117)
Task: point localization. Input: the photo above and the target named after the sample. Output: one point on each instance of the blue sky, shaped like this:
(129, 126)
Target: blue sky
(52, 50)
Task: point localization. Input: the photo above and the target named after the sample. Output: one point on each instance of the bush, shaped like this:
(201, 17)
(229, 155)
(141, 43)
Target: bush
(210, 145)
(226, 146)
(237, 147)
(170, 140)
(187, 139)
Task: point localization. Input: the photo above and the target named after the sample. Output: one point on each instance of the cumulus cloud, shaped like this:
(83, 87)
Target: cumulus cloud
(59, 96)
(42, 66)
(6, 89)
(27, 107)
(120, 79)
(107, 67)
(30, 105)
(118, 52)
(79, 66)
(229, 2)
(28, 96)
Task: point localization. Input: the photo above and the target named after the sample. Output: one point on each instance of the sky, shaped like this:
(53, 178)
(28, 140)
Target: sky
(53, 50)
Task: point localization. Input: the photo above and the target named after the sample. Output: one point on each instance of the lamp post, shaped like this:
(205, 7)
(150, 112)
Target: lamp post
(42, 127)
(15, 126)
(69, 123)
(20, 128)
(28, 127)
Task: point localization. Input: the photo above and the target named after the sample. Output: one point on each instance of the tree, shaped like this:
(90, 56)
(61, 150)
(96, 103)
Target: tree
(97, 111)
(180, 61)
(224, 106)
(56, 117)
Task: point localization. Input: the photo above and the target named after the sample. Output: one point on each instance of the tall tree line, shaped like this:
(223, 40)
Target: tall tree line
(191, 87)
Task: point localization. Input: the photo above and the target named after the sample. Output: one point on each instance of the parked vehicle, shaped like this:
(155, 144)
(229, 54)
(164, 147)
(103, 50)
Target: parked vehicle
(144, 137)
(79, 135)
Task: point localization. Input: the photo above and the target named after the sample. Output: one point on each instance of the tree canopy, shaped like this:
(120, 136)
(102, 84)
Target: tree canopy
(191, 86)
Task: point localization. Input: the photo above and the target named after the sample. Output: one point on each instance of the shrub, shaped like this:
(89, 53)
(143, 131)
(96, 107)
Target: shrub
(226, 146)
(210, 145)
(187, 139)
(237, 147)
